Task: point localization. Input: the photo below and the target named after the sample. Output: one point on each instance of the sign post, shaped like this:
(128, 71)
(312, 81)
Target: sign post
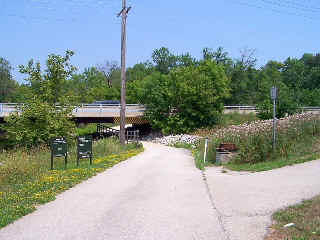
(84, 148)
(59, 148)
(205, 150)
(274, 96)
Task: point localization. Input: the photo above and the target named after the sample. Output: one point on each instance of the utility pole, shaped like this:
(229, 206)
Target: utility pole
(124, 13)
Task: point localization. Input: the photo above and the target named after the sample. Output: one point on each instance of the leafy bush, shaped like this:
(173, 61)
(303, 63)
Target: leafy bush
(48, 113)
(286, 104)
(185, 99)
(37, 122)
(86, 129)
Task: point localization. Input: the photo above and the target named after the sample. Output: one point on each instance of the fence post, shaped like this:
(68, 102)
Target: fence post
(205, 150)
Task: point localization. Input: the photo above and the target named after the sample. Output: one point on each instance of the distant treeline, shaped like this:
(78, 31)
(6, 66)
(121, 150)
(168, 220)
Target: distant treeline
(297, 79)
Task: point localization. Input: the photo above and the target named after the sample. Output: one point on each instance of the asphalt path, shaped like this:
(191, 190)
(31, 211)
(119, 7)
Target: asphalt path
(246, 201)
(161, 195)
(156, 195)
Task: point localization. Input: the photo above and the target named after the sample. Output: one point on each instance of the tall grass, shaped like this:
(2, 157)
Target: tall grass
(297, 135)
(26, 181)
(20, 165)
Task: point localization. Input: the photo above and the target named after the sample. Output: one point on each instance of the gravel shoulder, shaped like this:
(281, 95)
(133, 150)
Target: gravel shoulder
(156, 195)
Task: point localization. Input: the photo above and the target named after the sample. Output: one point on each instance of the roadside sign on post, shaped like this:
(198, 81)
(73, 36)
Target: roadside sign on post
(274, 96)
(84, 148)
(274, 93)
(59, 148)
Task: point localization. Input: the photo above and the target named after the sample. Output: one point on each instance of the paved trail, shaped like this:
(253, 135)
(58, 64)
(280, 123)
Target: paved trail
(160, 195)
(156, 195)
(246, 201)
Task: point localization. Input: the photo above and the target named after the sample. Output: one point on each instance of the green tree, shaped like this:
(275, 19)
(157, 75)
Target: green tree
(139, 71)
(38, 122)
(164, 60)
(48, 113)
(50, 86)
(8, 85)
(219, 56)
(271, 75)
(185, 99)
(112, 73)
(82, 85)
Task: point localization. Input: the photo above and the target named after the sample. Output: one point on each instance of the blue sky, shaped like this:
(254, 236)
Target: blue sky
(36, 28)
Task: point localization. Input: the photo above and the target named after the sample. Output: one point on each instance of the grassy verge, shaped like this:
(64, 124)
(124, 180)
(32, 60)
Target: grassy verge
(225, 121)
(26, 182)
(297, 142)
(266, 166)
(306, 218)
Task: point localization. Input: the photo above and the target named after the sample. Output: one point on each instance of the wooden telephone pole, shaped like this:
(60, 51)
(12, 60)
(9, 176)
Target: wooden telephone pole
(124, 13)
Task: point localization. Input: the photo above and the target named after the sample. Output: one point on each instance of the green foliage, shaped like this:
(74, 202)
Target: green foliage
(91, 86)
(219, 56)
(8, 86)
(48, 113)
(310, 97)
(49, 86)
(139, 71)
(37, 122)
(296, 136)
(185, 99)
(237, 118)
(285, 105)
(165, 61)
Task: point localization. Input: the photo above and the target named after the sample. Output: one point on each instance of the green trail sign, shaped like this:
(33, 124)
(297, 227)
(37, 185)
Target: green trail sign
(59, 148)
(84, 148)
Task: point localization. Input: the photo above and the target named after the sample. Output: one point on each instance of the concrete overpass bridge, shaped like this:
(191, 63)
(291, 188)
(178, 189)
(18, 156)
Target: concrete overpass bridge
(110, 113)
(92, 113)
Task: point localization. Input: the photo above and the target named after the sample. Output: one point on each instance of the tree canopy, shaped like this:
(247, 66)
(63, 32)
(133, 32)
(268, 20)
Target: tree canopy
(168, 82)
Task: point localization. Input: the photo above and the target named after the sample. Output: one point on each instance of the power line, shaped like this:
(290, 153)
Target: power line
(288, 4)
(273, 8)
(299, 4)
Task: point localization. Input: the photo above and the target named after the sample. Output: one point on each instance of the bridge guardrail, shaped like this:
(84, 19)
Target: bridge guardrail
(254, 108)
(238, 107)
(6, 108)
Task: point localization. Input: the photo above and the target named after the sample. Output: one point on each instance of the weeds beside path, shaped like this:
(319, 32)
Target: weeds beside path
(26, 182)
(297, 142)
(305, 217)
